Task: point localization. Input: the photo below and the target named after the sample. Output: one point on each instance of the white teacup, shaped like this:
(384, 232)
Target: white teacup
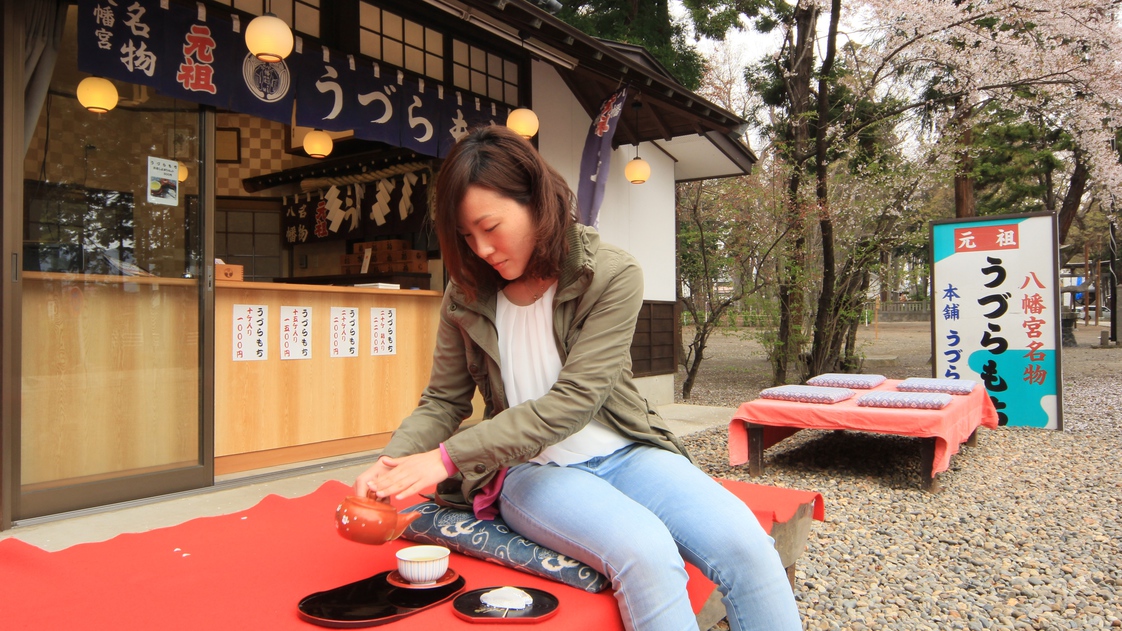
(422, 565)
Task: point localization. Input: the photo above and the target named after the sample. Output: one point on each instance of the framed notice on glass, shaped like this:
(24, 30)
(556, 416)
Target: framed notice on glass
(996, 312)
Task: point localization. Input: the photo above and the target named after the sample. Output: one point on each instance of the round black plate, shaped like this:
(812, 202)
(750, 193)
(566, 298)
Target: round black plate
(469, 607)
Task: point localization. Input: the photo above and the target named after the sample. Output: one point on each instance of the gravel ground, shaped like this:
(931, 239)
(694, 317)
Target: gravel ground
(1025, 534)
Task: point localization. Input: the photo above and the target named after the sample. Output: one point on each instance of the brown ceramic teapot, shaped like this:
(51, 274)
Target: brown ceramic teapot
(368, 520)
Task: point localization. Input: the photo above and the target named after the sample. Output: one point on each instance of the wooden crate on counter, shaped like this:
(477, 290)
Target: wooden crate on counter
(385, 245)
(223, 271)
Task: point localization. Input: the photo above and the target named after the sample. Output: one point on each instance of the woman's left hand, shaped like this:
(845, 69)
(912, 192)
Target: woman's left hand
(408, 475)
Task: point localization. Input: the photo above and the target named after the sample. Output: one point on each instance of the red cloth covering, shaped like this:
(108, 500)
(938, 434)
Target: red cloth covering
(950, 426)
(249, 569)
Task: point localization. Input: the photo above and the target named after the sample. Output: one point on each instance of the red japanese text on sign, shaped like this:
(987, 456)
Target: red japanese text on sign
(985, 238)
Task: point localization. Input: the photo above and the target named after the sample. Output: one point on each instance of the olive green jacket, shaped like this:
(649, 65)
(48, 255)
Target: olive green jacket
(599, 294)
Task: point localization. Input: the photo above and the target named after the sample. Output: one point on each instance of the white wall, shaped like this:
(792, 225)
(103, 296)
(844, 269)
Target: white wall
(636, 217)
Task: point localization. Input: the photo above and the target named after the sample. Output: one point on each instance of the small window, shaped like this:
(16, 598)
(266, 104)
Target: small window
(301, 15)
(484, 73)
(249, 237)
(400, 42)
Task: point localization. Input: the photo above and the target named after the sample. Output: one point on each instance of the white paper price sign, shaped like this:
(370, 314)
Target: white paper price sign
(344, 332)
(296, 333)
(383, 331)
(251, 333)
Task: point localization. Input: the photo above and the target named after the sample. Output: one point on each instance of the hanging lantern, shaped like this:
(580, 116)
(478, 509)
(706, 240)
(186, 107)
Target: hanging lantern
(268, 38)
(182, 175)
(97, 95)
(317, 143)
(637, 171)
(523, 121)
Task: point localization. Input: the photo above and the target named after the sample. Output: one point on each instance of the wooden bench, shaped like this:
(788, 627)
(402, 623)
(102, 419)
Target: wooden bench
(785, 514)
(250, 568)
(761, 423)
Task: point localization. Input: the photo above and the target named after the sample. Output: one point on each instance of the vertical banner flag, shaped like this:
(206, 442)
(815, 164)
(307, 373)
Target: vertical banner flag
(379, 105)
(209, 63)
(456, 111)
(328, 84)
(596, 160)
(421, 101)
(122, 42)
(198, 54)
(996, 312)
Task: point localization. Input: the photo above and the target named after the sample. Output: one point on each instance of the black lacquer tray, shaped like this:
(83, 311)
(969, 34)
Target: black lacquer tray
(371, 602)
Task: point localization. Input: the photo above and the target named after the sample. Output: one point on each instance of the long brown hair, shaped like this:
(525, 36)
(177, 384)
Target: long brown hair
(499, 159)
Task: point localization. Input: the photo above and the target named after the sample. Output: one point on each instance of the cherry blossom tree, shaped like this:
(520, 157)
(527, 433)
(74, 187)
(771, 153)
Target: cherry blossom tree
(1059, 57)
(944, 61)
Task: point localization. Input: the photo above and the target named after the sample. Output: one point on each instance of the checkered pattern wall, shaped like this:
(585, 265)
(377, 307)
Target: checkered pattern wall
(262, 145)
(107, 151)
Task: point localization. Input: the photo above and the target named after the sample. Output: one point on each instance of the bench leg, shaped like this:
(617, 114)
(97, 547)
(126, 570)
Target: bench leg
(973, 440)
(755, 450)
(714, 610)
(927, 465)
(711, 612)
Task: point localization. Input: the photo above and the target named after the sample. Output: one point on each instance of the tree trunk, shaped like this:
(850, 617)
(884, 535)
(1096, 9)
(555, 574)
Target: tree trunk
(700, 339)
(799, 67)
(1074, 197)
(827, 335)
(963, 179)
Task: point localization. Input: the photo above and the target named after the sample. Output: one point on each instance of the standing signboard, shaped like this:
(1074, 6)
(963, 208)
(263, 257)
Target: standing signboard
(996, 312)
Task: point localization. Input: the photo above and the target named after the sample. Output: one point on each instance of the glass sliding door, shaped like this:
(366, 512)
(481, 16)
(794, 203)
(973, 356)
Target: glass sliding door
(113, 300)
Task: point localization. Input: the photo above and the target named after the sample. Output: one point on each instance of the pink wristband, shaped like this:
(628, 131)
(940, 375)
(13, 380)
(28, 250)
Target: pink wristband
(449, 466)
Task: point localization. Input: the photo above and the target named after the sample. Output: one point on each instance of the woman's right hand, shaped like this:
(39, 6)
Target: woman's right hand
(366, 484)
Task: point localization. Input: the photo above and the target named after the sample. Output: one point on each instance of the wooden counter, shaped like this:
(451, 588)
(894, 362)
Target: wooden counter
(278, 411)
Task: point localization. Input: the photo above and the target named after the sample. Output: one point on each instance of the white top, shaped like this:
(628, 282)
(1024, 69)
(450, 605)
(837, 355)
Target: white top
(531, 365)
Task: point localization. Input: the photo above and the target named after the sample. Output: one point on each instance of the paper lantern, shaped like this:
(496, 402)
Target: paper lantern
(97, 95)
(523, 121)
(268, 38)
(637, 171)
(182, 175)
(317, 144)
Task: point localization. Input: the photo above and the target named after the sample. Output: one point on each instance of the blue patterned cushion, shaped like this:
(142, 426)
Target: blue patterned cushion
(914, 400)
(494, 541)
(807, 394)
(845, 380)
(950, 386)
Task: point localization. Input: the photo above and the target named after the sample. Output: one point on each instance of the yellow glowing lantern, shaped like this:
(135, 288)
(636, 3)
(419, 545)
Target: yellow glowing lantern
(318, 143)
(523, 121)
(268, 38)
(637, 171)
(97, 95)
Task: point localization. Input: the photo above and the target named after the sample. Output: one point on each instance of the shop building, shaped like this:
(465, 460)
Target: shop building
(133, 366)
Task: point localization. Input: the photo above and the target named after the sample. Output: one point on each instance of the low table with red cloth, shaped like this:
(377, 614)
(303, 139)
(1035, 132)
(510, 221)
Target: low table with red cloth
(761, 423)
(249, 569)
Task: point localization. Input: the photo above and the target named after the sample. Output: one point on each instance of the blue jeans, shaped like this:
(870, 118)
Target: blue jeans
(635, 515)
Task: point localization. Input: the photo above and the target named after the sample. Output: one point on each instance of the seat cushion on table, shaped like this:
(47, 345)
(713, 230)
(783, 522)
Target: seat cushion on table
(846, 380)
(927, 384)
(913, 400)
(807, 394)
(494, 541)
